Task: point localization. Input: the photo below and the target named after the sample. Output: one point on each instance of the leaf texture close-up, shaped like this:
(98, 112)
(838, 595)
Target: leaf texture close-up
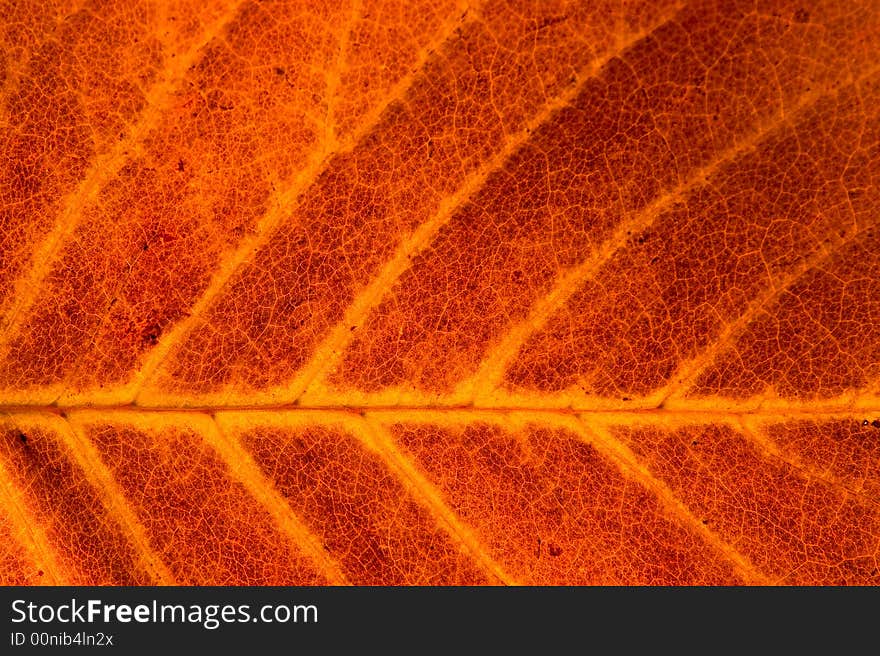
(439, 292)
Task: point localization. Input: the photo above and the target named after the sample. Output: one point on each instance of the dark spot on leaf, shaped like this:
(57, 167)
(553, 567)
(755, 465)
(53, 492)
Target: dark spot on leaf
(150, 334)
(40, 573)
(181, 165)
(801, 15)
(279, 71)
(22, 437)
(145, 246)
(555, 550)
(549, 21)
(876, 423)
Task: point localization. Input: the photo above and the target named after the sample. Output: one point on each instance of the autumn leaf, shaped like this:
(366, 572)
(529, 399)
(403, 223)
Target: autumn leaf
(395, 292)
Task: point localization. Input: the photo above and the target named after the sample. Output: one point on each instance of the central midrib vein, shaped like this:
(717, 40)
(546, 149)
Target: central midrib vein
(656, 413)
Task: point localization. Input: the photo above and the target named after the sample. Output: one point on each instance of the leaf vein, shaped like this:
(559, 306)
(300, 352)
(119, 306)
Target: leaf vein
(326, 355)
(243, 467)
(280, 207)
(632, 467)
(378, 439)
(103, 169)
(489, 376)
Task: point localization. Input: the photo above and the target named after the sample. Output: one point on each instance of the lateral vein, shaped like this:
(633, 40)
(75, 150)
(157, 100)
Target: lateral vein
(281, 206)
(248, 473)
(331, 348)
(631, 466)
(376, 437)
(103, 169)
(490, 374)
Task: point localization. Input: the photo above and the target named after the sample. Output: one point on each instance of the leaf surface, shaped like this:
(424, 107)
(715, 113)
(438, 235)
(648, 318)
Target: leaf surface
(390, 292)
